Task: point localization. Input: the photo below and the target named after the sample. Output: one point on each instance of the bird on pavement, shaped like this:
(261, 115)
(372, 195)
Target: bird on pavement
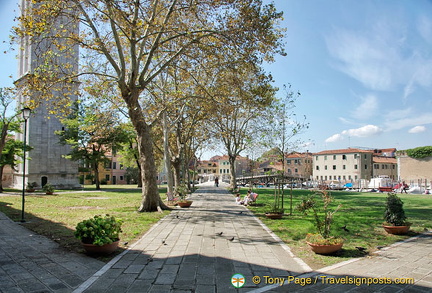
(360, 248)
(231, 239)
(220, 233)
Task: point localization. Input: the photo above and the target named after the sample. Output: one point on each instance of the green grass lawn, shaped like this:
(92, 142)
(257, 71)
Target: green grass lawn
(362, 213)
(56, 216)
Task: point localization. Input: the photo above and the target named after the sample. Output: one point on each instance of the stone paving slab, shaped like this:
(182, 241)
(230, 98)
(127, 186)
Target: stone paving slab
(199, 249)
(33, 263)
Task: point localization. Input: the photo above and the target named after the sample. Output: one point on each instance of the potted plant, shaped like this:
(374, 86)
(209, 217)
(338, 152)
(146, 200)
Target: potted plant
(48, 188)
(99, 234)
(182, 192)
(394, 216)
(31, 186)
(323, 242)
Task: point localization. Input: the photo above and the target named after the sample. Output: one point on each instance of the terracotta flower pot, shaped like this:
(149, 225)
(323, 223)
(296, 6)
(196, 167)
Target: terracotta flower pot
(396, 230)
(325, 249)
(185, 204)
(104, 249)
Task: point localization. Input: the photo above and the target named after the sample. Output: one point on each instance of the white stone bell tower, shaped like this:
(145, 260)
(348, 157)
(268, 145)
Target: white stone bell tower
(45, 161)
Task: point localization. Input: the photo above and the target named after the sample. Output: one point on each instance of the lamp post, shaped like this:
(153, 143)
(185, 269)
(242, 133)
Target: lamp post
(25, 114)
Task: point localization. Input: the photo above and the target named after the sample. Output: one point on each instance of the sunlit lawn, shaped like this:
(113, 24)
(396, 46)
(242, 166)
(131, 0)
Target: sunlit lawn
(362, 213)
(56, 215)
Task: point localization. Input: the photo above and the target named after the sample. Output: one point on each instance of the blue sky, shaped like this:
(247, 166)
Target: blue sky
(364, 70)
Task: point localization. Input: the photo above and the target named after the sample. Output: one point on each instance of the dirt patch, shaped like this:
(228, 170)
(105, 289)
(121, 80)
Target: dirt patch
(95, 197)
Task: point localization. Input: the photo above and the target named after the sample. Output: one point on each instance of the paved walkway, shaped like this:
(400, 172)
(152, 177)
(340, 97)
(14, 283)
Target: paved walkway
(33, 263)
(186, 252)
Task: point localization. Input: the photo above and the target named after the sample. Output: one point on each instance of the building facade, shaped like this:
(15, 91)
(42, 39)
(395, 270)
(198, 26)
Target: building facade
(384, 167)
(415, 172)
(299, 165)
(342, 165)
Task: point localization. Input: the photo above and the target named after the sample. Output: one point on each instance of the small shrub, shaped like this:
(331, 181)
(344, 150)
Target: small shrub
(31, 185)
(99, 230)
(394, 213)
(48, 188)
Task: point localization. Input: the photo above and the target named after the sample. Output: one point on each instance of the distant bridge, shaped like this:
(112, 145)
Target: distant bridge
(267, 179)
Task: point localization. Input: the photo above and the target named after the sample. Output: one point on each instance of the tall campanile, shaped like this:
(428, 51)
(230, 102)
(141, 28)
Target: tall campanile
(45, 161)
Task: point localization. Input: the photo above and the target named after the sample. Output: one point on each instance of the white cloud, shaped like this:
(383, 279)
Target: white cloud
(424, 25)
(364, 58)
(399, 113)
(383, 56)
(367, 108)
(334, 138)
(400, 122)
(364, 131)
(417, 129)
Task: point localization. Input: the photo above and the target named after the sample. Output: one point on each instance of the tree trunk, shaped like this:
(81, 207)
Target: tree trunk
(233, 181)
(176, 169)
(167, 160)
(151, 200)
(139, 175)
(96, 172)
(1, 179)
(2, 145)
(138, 165)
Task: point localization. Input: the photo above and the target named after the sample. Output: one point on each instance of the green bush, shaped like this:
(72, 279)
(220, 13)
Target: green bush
(394, 213)
(99, 230)
(420, 152)
(48, 188)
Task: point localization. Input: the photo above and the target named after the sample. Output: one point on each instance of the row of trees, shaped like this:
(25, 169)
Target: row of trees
(182, 73)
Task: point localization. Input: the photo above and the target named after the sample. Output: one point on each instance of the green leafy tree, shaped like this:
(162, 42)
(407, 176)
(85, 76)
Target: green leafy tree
(241, 110)
(9, 122)
(12, 151)
(92, 132)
